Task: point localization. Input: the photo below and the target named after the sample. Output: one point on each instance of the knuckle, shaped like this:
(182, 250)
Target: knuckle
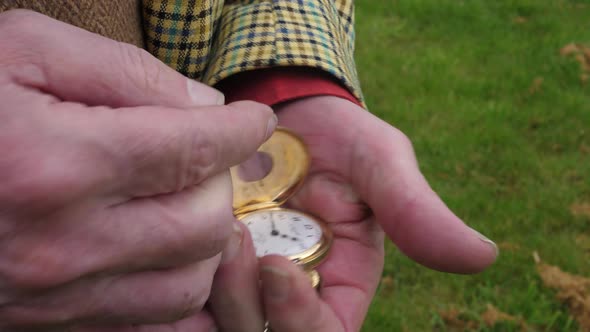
(404, 149)
(204, 154)
(29, 267)
(46, 186)
(248, 104)
(220, 230)
(210, 239)
(141, 69)
(20, 30)
(193, 301)
(195, 295)
(402, 139)
(196, 234)
(19, 18)
(186, 289)
(217, 214)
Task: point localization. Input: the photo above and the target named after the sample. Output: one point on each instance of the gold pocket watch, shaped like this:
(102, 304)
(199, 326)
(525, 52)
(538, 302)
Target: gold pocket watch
(303, 239)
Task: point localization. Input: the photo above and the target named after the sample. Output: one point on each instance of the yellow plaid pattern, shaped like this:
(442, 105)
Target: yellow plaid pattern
(210, 40)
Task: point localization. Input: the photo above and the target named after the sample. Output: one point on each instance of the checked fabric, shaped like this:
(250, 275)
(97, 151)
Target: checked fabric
(210, 40)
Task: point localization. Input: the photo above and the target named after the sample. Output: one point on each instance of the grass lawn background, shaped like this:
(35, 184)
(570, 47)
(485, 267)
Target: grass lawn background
(501, 125)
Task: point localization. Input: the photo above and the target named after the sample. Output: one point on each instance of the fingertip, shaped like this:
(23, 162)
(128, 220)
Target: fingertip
(234, 244)
(489, 253)
(242, 250)
(447, 244)
(201, 321)
(290, 302)
(422, 226)
(467, 250)
(203, 95)
(235, 289)
(260, 110)
(250, 105)
(285, 282)
(278, 277)
(276, 284)
(272, 125)
(487, 241)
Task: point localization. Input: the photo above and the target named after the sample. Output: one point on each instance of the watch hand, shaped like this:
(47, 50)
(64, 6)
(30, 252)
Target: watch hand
(274, 231)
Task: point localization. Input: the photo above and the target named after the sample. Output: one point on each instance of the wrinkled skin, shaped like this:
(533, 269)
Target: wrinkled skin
(364, 181)
(115, 200)
(85, 248)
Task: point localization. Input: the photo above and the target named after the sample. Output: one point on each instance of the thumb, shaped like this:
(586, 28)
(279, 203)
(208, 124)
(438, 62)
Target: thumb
(290, 303)
(409, 211)
(76, 65)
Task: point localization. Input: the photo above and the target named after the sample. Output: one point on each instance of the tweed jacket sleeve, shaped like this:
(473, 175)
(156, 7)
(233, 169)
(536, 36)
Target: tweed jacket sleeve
(210, 40)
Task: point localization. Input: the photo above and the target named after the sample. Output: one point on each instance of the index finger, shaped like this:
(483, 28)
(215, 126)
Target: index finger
(154, 150)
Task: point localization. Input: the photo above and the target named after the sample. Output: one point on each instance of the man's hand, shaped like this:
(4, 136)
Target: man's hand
(115, 200)
(364, 178)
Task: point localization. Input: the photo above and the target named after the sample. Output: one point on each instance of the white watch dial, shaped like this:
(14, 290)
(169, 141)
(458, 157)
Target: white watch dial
(282, 232)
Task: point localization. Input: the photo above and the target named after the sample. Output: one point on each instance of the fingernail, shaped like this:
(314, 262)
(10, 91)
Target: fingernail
(202, 94)
(272, 124)
(234, 244)
(491, 243)
(276, 283)
(220, 99)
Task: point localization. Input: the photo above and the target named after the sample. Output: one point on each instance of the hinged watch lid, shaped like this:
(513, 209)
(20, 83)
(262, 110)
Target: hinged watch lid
(290, 163)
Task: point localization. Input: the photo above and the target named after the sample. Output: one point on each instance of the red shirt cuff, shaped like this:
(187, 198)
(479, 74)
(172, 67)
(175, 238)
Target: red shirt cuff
(276, 85)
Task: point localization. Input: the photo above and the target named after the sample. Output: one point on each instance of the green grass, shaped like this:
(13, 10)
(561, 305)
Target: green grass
(455, 77)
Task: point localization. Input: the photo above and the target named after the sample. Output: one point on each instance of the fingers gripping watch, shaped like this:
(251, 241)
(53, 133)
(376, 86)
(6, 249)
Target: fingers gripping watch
(300, 237)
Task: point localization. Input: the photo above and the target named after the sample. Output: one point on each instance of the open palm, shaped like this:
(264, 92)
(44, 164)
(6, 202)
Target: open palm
(363, 180)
